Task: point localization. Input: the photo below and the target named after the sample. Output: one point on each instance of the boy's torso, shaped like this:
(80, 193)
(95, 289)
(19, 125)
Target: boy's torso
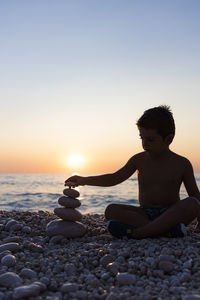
(159, 179)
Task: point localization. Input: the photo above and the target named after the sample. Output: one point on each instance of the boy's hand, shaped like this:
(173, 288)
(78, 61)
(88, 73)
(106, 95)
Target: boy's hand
(74, 181)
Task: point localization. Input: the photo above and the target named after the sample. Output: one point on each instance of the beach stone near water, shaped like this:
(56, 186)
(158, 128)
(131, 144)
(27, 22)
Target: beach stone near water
(8, 260)
(9, 246)
(10, 223)
(68, 214)
(65, 228)
(69, 202)
(71, 193)
(10, 280)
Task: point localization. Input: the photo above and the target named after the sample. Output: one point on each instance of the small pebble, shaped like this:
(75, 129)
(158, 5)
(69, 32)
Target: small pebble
(10, 223)
(25, 291)
(125, 278)
(106, 259)
(69, 287)
(9, 246)
(166, 266)
(8, 260)
(192, 297)
(4, 253)
(10, 280)
(26, 229)
(28, 273)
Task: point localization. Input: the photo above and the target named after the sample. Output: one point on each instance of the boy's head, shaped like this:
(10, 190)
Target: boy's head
(160, 119)
(157, 128)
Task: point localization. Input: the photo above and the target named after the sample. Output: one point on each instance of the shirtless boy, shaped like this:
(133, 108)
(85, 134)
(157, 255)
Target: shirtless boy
(160, 174)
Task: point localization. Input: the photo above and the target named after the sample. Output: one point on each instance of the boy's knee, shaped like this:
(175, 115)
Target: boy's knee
(110, 209)
(194, 202)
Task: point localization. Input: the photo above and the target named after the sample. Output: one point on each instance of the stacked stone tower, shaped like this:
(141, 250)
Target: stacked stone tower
(69, 224)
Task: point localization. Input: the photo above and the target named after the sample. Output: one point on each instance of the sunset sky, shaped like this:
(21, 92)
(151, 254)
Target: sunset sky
(76, 75)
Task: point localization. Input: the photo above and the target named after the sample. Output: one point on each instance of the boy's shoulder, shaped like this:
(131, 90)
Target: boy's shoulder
(179, 158)
(174, 157)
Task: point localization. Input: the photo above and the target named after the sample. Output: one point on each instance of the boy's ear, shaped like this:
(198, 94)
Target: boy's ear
(169, 138)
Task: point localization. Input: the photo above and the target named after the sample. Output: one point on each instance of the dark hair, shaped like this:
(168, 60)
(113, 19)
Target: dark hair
(159, 118)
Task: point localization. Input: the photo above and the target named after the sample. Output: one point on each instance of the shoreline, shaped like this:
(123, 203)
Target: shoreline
(95, 266)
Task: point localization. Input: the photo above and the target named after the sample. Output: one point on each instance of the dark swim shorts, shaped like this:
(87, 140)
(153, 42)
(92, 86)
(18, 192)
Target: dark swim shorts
(154, 212)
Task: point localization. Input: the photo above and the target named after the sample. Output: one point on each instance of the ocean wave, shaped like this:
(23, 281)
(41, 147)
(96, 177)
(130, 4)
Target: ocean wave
(31, 194)
(7, 183)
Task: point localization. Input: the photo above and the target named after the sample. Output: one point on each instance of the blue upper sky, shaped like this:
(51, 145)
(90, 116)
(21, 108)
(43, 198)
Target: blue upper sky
(83, 65)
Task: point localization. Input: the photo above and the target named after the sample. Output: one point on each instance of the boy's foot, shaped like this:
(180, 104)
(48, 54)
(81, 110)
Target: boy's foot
(119, 230)
(177, 231)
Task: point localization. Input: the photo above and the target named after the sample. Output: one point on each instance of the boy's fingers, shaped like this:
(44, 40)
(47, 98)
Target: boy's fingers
(70, 183)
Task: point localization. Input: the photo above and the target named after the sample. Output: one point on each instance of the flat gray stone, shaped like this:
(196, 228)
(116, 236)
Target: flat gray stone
(71, 193)
(68, 214)
(65, 228)
(192, 297)
(10, 280)
(69, 202)
(8, 260)
(28, 273)
(69, 287)
(26, 291)
(10, 223)
(166, 266)
(9, 246)
(125, 278)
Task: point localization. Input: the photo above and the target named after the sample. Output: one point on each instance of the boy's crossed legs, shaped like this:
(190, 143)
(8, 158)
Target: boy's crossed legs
(183, 211)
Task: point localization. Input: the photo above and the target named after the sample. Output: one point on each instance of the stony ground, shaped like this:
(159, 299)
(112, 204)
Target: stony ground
(96, 266)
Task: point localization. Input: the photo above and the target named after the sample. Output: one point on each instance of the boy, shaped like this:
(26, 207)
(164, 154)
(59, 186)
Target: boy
(160, 174)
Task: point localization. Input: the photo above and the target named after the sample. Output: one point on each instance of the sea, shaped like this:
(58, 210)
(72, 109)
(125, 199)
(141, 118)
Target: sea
(34, 192)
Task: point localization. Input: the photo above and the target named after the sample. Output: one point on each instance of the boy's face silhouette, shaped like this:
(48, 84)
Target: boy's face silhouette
(152, 142)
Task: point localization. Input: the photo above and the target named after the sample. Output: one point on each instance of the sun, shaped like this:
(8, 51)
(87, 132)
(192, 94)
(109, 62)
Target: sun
(75, 160)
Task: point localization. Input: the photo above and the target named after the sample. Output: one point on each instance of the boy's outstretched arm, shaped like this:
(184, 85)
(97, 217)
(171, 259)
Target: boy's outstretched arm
(106, 179)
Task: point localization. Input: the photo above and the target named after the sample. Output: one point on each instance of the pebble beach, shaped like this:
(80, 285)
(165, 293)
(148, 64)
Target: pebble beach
(95, 266)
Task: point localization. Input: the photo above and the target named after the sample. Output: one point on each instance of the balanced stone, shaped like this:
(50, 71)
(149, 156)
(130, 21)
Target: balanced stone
(68, 214)
(71, 193)
(65, 228)
(69, 202)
